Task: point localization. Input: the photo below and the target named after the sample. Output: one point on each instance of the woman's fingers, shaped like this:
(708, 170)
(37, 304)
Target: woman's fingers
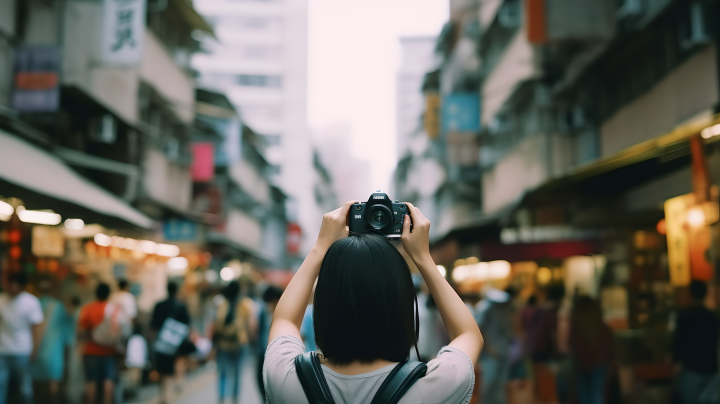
(406, 226)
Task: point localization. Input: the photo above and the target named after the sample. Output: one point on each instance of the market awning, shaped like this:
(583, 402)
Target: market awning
(30, 167)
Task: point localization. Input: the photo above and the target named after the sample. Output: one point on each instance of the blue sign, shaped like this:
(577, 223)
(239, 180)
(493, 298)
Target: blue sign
(180, 230)
(461, 112)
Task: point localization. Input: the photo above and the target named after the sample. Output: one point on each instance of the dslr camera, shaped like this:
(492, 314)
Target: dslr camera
(379, 215)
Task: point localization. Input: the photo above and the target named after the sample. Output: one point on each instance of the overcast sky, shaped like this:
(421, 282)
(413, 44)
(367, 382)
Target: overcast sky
(354, 54)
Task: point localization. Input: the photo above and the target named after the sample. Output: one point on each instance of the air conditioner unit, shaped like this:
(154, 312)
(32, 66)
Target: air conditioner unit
(629, 8)
(692, 31)
(103, 129)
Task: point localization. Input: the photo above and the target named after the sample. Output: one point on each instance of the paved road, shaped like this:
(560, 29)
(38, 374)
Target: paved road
(202, 388)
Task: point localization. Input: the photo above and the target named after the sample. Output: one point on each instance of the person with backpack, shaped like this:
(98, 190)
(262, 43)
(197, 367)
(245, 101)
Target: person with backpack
(170, 324)
(365, 313)
(233, 327)
(270, 297)
(102, 329)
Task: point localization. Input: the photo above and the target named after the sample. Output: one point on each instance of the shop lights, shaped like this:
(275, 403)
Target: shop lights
(74, 224)
(442, 270)
(211, 276)
(47, 217)
(103, 240)
(482, 271)
(138, 246)
(227, 274)
(6, 211)
(176, 264)
(147, 247)
(167, 250)
(712, 131)
(696, 217)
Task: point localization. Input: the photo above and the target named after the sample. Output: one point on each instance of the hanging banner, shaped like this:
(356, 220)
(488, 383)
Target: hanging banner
(123, 32)
(37, 86)
(461, 112)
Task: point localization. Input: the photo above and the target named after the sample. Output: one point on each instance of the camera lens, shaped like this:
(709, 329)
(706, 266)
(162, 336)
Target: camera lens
(379, 217)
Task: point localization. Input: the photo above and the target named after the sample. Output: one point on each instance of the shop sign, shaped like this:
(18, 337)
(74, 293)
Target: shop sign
(203, 165)
(539, 234)
(689, 238)
(47, 242)
(180, 230)
(461, 112)
(294, 238)
(37, 87)
(123, 32)
(431, 118)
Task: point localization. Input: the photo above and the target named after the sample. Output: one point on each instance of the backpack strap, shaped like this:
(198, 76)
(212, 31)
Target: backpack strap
(399, 382)
(309, 371)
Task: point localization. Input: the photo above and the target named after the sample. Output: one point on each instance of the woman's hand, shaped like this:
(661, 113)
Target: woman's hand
(417, 243)
(334, 226)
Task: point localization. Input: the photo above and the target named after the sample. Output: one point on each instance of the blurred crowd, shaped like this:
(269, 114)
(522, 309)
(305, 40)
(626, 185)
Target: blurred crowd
(61, 351)
(545, 347)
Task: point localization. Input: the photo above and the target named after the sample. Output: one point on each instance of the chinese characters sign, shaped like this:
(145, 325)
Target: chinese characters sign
(36, 79)
(123, 32)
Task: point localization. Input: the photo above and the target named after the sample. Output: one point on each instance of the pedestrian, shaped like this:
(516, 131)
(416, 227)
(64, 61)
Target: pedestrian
(495, 321)
(136, 359)
(58, 335)
(231, 333)
(101, 328)
(125, 299)
(592, 348)
(170, 325)
(271, 297)
(432, 335)
(694, 346)
(307, 328)
(21, 319)
(542, 342)
(365, 322)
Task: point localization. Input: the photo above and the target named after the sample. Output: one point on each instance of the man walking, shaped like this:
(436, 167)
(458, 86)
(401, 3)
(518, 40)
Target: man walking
(98, 359)
(21, 317)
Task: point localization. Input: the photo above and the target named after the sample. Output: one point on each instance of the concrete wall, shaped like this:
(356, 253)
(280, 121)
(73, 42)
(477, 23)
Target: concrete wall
(166, 182)
(243, 229)
(691, 89)
(7, 29)
(515, 66)
(522, 168)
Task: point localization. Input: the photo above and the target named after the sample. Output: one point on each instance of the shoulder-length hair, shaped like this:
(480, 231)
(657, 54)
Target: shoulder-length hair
(365, 305)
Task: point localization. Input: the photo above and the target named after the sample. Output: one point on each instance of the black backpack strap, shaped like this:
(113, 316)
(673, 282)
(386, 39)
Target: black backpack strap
(399, 382)
(309, 371)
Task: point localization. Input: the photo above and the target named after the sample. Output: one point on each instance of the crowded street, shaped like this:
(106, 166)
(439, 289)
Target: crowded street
(359, 201)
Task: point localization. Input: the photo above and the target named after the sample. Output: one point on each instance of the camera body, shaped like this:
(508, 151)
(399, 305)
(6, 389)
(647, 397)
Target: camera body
(379, 215)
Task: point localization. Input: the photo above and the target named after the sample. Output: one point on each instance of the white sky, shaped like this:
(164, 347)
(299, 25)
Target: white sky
(354, 54)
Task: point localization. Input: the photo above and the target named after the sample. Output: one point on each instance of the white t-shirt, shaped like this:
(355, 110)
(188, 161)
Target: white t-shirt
(449, 378)
(17, 315)
(126, 301)
(137, 352)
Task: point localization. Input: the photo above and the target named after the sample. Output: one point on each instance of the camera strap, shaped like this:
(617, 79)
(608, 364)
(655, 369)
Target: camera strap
(317, 391)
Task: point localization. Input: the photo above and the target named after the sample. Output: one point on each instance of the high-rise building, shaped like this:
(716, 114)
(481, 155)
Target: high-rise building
(418, 57)
(259, 59)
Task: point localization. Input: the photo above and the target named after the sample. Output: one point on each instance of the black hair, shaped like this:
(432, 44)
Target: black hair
(272, 294)
(18, 277)
(365, 304)
(102, 291)
(172, 289)
(232, 290)
(698, 290)
(122, 284)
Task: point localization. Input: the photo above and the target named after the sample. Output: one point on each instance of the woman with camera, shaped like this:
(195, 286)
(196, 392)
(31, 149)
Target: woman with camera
(365, 316)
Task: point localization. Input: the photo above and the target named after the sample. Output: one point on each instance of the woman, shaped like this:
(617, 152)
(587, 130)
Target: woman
(591, 342)
(365, 318)
(233, 327)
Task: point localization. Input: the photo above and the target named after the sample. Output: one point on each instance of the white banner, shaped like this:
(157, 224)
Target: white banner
(123, 32)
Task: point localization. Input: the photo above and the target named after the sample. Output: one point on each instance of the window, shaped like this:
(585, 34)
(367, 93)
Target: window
(257, 80)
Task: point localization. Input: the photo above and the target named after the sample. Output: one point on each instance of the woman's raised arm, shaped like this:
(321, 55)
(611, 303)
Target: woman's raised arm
(464, 332)
(291, 307)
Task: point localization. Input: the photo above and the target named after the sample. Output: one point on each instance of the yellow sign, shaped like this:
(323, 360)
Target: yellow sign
(47, 242)
(431, 120)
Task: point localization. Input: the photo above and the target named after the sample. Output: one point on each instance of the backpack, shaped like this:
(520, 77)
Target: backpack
(317, 391)
(114, 328)
(233, 335)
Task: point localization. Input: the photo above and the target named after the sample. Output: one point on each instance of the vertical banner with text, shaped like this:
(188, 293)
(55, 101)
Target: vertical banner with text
(123, 32)
(37, 82)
